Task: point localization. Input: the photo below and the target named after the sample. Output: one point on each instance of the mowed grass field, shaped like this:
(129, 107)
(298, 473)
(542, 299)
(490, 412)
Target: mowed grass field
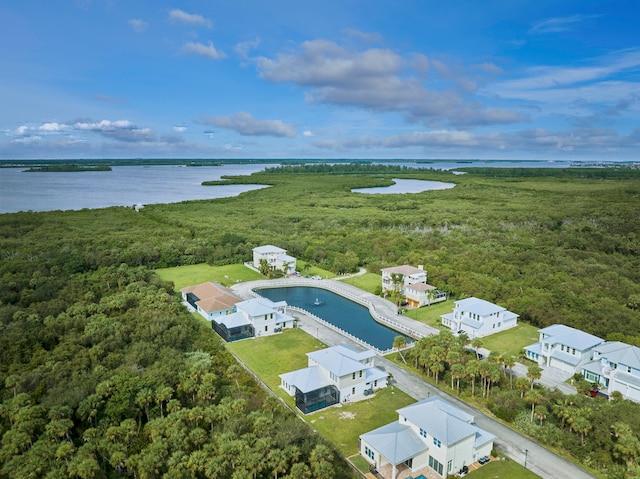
(189, 275)
(512, 341)
(341, 425)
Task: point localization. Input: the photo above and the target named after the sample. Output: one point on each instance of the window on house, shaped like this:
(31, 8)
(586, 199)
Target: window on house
(375, 383)
(628, 369)
(562, 347)
(436, 442)
(360, 373)
(266, 328)
(423, 433)
(353, 390)
(573, 351)
(368, 452)
(353, 376)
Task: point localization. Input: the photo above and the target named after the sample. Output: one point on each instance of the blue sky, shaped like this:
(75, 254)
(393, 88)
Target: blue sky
(499, 79)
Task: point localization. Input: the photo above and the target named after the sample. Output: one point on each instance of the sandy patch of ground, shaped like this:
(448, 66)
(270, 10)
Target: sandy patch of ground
(347, 415)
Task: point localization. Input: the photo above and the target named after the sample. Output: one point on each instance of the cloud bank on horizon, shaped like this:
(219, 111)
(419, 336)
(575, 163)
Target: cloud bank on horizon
(349, 79)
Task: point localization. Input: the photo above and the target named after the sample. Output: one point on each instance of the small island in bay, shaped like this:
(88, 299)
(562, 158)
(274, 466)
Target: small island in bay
(66, 168)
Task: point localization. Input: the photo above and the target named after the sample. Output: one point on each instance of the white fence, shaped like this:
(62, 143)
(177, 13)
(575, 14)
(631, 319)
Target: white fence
(353, 297)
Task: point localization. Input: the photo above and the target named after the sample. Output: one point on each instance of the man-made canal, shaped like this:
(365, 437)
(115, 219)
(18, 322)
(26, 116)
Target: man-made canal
(343, 313)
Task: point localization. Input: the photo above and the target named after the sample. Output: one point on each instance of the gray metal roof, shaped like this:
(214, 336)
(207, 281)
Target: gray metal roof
(478, 306)
(396, 442)
(440, 419)
(306, 379)
(257, 306)
(620, 353)
(269, 248)
(334, 360)
(574, 338)
(232, 320)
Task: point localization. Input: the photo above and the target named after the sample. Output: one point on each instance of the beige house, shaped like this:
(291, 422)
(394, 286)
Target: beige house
(407, 275)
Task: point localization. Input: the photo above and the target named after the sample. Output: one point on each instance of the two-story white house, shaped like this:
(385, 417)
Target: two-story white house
(430, 433)
(210, 299)
(277, 258)
(405, 274)
(563, 347)
(253, 317)
(477, 318)
(423, 294)
(615, 367)
(336, 374)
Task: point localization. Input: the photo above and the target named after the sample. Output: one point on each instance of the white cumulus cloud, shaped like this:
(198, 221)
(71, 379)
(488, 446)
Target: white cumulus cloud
(208, 51)
(247, 125)
(180, 16)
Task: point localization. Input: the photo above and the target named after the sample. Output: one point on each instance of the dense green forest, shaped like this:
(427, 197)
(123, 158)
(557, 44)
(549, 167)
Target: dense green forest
(105, 375)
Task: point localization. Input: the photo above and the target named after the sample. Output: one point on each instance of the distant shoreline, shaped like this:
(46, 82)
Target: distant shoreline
(102, 164)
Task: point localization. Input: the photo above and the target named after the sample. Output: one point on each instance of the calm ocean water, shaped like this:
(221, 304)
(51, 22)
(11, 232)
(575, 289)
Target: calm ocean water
(143, 185)
(123, 186)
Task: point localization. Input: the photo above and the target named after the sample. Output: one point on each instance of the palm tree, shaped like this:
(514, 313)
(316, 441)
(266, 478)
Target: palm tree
(534, 372)
(264, 267)
(582, 426)
(562, 409)
(541, 413)
(533, 397)
(399, 343)
(457, 372)
(436, 368)
(509, 363)
(523, 385)
(473, 369)
(476, 344)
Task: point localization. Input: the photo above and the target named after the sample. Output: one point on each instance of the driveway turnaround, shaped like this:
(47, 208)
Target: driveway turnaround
(516, 446)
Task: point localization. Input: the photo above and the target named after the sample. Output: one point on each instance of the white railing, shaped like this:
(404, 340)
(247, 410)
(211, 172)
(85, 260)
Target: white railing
(401, 328)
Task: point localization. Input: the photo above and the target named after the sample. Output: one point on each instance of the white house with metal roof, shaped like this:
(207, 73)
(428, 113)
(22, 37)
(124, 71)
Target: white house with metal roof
(615, 367)
(430, 433)
(333, 375)
(253, 317)
(277, 258)
(563, 347)
(477, 318)
(406, 275)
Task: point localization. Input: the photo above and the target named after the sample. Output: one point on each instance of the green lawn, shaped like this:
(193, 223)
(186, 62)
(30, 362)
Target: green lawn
(512, 341)
(309, 270)
(199, 273)
(506, 469)
(341, 425)
(269, 356)
(368, 282)
(431, 314)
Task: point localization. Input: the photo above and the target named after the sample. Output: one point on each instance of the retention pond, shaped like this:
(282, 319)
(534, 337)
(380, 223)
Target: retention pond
(341, 312)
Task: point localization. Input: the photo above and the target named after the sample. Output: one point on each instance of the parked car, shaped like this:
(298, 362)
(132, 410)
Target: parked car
(316, 277)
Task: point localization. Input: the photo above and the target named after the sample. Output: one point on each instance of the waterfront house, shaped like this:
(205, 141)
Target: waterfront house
(615, 367)
(423, 294)
(430, 433)
(477, 318)
(254, 317)
(563, 347)
(210, 299)
(399, 277)
(276, 258)
(336, 374)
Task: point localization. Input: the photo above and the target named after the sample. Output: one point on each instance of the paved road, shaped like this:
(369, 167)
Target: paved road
(540, 460)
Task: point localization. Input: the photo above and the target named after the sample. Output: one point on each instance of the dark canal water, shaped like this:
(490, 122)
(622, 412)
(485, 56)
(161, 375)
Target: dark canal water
(341, 312)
